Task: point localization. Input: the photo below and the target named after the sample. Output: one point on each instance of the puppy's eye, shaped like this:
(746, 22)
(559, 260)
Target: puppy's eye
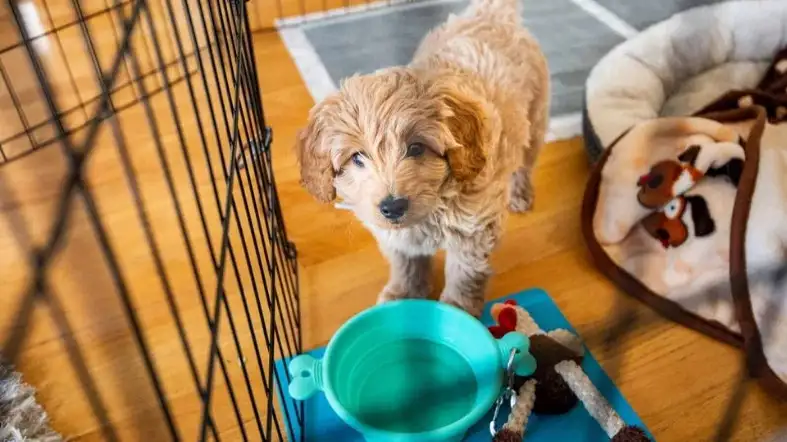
(415, 150)
(357, 159)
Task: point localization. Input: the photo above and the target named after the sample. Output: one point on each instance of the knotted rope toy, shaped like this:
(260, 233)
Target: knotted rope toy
(558, 382)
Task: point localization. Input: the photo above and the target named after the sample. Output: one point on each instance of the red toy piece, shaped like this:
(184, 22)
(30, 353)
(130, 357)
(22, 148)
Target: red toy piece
(505, 318)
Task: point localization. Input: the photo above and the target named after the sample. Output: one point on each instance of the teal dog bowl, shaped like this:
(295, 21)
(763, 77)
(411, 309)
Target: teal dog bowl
(411, 371)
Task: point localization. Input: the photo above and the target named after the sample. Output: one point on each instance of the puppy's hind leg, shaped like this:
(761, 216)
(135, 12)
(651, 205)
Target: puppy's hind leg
(521, 197)
(522, 194)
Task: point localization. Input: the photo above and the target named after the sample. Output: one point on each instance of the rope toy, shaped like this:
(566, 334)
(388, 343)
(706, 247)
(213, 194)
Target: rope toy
(558, 382)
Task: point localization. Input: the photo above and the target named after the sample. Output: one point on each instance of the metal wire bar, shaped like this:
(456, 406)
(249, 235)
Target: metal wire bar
(258, 134)
(91, 48)
(38, 289)
(192, 180)
(76, 129)
(226, 86)
(69, 71)
(163, 23)
(72, 156)
(229, 208)
(231, 48)
(116, 34)
(75, 159)
(109, 255)
(193, 35)
(209, 165)
(220, 297)
(273, 209)
(252, 241)
(180, 134)
(729, 418)
(27, 131)
(148, 231)
(280, 255)
(57, 29)
(248, 59)
(261, 175)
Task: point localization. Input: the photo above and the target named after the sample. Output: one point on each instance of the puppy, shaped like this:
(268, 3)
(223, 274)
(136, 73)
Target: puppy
(429, 155)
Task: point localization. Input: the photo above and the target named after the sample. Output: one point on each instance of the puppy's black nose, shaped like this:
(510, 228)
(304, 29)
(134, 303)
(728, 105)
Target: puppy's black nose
(394, 208)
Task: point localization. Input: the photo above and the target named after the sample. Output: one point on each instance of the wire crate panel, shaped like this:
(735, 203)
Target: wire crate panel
(148, 281)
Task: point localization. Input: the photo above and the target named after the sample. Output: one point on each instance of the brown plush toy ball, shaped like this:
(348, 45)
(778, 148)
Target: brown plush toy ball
(553, 395)
(506, 435)
(630, 434)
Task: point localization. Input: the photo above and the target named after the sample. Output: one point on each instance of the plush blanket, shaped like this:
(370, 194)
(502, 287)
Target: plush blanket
(689, 214)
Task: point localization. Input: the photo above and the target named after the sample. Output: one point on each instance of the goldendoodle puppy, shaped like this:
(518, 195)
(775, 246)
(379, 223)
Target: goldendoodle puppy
(429, 155)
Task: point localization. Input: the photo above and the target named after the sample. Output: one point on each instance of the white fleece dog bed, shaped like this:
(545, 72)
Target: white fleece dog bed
(676, 67)
(685, 207)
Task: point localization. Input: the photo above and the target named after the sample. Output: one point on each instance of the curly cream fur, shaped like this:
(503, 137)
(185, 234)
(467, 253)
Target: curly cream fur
(476, 95)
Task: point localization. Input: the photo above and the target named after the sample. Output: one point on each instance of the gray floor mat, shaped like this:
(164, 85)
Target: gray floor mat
(572, 39)
(642, 14)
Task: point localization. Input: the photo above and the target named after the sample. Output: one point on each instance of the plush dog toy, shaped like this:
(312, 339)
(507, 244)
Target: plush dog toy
(558, 382)
(664, 188)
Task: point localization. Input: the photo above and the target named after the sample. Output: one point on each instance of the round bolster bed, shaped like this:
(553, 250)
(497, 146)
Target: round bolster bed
(676, 67)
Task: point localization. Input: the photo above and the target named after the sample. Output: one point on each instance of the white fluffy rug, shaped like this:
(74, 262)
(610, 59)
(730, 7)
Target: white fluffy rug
(22, 419)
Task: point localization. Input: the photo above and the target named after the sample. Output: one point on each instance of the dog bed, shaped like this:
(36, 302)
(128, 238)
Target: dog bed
(686, 213)
(678, 66)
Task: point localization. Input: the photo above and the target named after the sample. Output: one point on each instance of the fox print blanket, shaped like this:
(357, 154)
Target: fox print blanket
(689, 214)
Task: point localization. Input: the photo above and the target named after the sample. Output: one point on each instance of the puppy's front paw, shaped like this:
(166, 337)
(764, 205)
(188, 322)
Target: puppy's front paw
(471, 305)
(391, 293)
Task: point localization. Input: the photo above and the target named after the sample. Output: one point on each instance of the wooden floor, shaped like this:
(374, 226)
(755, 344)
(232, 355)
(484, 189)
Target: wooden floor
(680, 383)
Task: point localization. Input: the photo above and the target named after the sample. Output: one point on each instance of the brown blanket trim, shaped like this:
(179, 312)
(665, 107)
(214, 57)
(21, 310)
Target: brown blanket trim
(739, 280)
(774, 81)
(770, 93)
(770, 98)
(775, 105)
(749, 339)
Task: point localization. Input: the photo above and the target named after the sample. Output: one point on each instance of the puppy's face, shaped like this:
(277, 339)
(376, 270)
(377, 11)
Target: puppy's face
(387, 143)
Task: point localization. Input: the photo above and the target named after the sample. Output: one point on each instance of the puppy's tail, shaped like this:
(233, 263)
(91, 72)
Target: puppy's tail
(501, 11)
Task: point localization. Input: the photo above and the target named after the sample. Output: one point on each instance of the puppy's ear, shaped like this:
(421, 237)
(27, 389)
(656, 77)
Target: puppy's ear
(314, 158)
(466, 120)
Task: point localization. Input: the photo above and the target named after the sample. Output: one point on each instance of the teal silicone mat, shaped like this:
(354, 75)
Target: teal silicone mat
(321, 424)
